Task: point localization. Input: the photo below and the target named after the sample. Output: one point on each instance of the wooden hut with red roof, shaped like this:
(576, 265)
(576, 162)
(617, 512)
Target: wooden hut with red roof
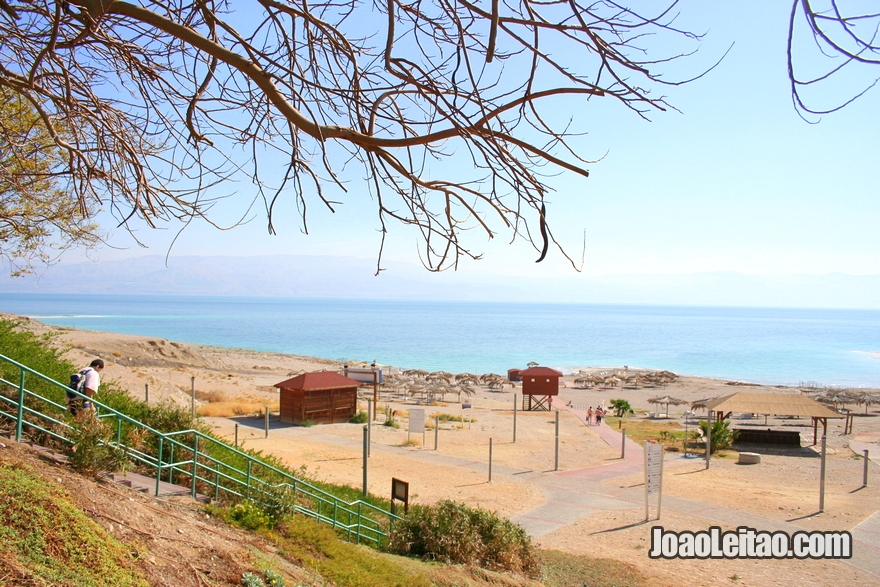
(538, 385)
(323, 397)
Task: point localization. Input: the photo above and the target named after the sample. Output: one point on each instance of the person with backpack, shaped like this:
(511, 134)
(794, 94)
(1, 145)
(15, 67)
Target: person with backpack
(85, 382)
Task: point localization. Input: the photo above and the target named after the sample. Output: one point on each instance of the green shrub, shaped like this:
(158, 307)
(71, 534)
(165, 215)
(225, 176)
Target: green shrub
(722, 436)
(94, 450)
(273, 579)
(621, 407)
(252, 580)
(48, 540)
(360, 417)
(455, 533)
(248, 515)
(277, 502)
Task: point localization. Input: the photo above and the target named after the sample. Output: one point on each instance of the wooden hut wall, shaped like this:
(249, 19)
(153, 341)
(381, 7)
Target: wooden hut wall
(541, 385)
(321, 406)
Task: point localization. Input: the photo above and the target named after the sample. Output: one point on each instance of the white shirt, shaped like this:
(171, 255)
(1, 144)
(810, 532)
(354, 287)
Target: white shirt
(93, 379)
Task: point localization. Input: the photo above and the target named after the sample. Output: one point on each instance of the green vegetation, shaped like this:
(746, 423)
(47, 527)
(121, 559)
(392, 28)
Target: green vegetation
(48, 539)
(645, 430)
(455, 533)
(360, 417)
(621, 407)
(722, 436)
(36, 353)
(317, 547)
(93, 451)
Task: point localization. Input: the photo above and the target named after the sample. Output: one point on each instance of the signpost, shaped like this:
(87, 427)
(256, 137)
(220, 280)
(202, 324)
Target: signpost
(653, 475)
(417, 423)
(399, 492)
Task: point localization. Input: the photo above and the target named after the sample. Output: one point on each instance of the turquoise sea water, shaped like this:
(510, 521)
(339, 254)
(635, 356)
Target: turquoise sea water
(762, 345)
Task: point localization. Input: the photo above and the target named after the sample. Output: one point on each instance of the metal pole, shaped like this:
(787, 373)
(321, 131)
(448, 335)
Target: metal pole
(267, 421)
(708, 438)
(647, 505)
(146, 393)
(514, 418)
(371, 413)
(436, 431)
(236, 435)
(195, 465)
(623, 445)
(865, 471)
(366, 453)
(556, 459)
(192, 391)
(822, 478)
(490, 460)
(20, 418)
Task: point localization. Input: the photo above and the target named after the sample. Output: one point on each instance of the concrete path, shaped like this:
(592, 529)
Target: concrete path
(572, 495)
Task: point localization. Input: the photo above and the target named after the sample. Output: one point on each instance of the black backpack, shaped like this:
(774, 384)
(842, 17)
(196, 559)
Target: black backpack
(77, 383)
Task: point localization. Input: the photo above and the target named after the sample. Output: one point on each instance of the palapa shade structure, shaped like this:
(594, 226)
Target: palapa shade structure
(667, 400)
(772, 404)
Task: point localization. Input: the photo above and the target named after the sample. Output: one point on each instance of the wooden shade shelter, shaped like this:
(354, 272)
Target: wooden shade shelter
(538, 385)
(324, 397)
(667, 400)
(772, 404)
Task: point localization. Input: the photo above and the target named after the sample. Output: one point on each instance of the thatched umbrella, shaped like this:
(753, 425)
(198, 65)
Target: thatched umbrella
(700, 404)
(867, 398)
(667, 400)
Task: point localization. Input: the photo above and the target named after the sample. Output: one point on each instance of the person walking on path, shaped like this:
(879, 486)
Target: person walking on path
(599, 413)
(590, 416)
(89, 387)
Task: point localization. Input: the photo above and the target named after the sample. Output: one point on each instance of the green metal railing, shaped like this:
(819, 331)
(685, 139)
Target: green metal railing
(203, 462)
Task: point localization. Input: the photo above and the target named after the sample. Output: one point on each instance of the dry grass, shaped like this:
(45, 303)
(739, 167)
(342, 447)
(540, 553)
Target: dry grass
(228, 409)
(211, 396)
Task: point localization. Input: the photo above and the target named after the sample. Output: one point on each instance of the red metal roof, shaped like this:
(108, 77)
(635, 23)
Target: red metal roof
(540, 372)
(318, 380)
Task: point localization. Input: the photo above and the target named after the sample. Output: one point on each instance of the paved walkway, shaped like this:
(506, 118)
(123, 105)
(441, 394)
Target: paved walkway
(572, 495)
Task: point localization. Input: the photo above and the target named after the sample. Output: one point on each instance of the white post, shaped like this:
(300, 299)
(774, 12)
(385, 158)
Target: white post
(366, 453)
(490, 460)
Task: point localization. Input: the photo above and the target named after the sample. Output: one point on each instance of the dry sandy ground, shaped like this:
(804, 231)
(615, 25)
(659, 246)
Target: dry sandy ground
(784, 488)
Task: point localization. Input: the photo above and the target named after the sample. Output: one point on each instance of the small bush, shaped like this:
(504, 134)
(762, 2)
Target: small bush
(455, 533)
(722, 436)
(249, 516)
(93, 450)
(359, 418)
(252, 580)
(273, 579)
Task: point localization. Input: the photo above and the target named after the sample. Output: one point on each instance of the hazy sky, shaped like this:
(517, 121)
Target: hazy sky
(735, 181)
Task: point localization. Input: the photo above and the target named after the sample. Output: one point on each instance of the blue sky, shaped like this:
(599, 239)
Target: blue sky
(735, 181)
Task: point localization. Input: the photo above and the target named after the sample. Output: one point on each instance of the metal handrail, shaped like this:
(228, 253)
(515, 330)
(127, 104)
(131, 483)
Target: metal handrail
(197, 464)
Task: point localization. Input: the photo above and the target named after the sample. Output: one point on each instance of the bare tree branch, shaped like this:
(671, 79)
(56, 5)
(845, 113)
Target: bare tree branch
(455, 110)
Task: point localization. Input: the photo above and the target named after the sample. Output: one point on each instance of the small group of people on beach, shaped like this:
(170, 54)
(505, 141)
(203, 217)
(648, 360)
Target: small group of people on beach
(594, 418)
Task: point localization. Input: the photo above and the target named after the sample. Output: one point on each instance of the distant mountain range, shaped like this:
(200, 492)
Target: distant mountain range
(348, 277)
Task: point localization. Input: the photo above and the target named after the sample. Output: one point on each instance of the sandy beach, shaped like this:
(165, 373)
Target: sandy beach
(607, 512)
